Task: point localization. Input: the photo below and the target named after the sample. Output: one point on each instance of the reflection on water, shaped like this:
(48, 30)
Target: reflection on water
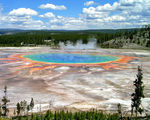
(79, 45)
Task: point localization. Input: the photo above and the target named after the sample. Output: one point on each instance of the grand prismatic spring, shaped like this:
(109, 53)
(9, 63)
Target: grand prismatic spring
(64, 58)
(74, 79)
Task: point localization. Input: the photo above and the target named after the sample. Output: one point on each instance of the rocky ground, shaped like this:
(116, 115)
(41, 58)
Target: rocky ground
(74, 87)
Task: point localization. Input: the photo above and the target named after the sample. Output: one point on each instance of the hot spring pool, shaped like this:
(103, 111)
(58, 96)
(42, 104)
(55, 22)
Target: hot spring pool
(70, 58)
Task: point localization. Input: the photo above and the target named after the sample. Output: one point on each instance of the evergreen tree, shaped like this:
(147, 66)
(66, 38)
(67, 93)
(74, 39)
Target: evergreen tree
(31, 104)
(18, 108)
(5, 103)
(23, 106)
(14, 112)
(120, 110)
(28, 108)
(138, 93)
(0, 110)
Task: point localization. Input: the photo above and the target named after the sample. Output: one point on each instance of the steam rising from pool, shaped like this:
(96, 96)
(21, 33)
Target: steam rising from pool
(79, 45)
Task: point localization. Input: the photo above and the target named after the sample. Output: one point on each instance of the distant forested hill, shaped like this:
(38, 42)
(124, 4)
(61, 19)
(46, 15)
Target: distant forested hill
(107, 38)
(13, 31)
(131, 39)
(10, 31)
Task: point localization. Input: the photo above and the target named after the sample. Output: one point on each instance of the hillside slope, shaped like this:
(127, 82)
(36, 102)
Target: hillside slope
(136, 39)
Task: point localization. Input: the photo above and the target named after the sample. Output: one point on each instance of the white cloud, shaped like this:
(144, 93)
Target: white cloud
(115, 18)
(22, 22)
(129, 2)
(21, 18)
(48, 15)
(52, 6)
(93, 13)
(106, 7)
(33, 24)
(90, 10)
(88, 3)
(121, 14)
(23, 12)
(70, 23)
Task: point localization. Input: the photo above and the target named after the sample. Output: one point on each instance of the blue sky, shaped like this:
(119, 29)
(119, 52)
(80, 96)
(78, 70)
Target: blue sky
(74, 14)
